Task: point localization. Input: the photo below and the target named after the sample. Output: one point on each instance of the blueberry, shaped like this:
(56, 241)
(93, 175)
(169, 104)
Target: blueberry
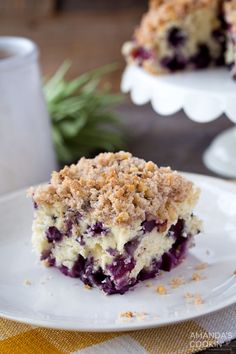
(176, 37)
(230, 66)
(169, 261)
(202, 58)
(78, 269)
(99, 277)
(51, 261)
(218, 35)
(174, 63)
(69, 225)
(177, 229)
(151, 272)
(80, 239)
(78, 216)
(148, 226)
(64, 270)
(176, 254)
(131, 246)
(112, 251)
(97, 229)
(141, 54)
(53, 234)
(121, 266)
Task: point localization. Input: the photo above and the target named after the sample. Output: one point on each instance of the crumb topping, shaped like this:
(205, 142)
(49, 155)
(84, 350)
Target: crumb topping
(163, 12)
(117, 188)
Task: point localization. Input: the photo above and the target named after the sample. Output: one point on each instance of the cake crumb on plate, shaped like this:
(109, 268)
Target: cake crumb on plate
(161, 289)
(176, 282)
(27, 282)
(149, 285)
(88, 287)
(201, 266)
(141, 316)
(194, 298)
(188, 296)
(198, 300)
(196, 276)
(127, 314)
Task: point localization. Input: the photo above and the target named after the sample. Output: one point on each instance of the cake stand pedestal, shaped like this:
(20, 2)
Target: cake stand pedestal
(203, 95)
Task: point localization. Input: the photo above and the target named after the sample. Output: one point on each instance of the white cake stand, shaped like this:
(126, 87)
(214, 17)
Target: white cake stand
(203, 95)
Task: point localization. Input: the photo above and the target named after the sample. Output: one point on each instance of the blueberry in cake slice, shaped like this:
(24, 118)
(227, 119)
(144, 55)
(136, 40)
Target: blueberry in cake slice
(114, 220)
(177, 35)
(230, 19)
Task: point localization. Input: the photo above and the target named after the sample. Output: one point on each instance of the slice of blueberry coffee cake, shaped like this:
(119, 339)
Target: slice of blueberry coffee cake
(178, 35)
(230, 18)
(114, 220)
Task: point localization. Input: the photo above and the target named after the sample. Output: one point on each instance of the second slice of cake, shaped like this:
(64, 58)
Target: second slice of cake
(114, 220)
(176, 35)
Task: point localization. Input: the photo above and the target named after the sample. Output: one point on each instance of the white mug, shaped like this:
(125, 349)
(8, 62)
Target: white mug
(26, 150)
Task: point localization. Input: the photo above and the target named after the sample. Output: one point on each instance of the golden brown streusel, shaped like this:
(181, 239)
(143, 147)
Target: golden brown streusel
(163, 12)
(117, 188)
(234, 273)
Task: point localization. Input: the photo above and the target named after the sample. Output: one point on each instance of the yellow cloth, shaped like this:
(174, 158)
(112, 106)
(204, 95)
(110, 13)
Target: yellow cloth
(187, 337)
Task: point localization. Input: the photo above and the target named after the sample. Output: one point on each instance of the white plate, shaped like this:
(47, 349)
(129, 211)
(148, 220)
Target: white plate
(53, 300)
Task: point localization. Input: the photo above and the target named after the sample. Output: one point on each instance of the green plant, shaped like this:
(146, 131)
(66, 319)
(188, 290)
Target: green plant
(81, 115)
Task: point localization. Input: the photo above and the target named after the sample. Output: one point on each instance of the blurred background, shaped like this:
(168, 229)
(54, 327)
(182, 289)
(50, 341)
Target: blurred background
(90, 34)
